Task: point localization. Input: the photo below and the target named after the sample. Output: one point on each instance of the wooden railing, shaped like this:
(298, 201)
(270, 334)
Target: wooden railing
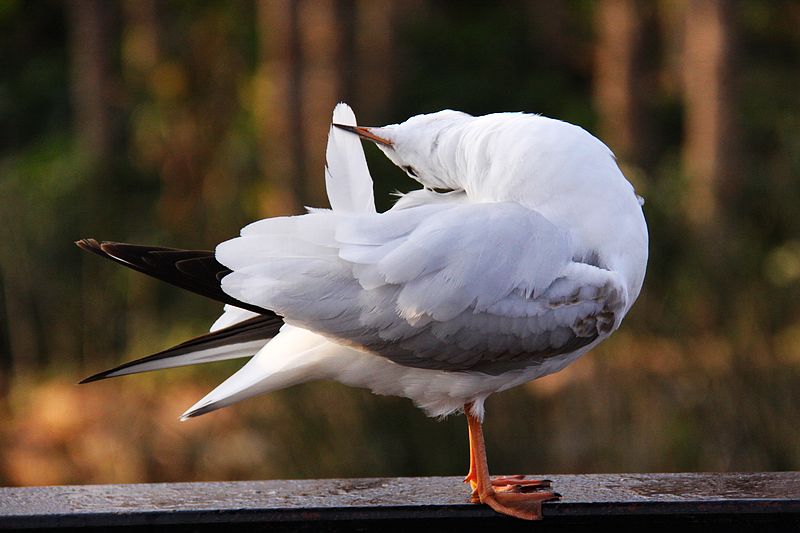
(727, 502)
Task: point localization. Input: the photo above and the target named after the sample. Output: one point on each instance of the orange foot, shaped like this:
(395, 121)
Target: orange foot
(519, 484)
(516, 484)
(527, 505)
(512, 495)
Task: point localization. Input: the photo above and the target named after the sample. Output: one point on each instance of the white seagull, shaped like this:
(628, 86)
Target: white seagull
(524, 249)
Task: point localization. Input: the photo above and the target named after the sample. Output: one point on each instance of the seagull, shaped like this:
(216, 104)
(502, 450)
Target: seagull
(524, 248)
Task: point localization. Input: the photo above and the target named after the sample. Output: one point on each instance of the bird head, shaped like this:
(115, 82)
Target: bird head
(416, 145)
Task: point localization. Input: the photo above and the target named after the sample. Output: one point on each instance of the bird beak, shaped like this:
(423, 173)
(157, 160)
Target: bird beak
(365, 133)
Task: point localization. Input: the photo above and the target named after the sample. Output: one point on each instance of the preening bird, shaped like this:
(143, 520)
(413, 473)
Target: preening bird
(524, 249)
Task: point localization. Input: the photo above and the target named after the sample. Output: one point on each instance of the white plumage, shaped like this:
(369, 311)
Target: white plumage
(534, 257)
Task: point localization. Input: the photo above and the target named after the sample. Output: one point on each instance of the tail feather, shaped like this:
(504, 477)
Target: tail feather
(240, 340)
(347, 177)
(294, 355)
(291, 358)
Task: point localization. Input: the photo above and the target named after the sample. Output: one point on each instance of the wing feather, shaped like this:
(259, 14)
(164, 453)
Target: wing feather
(194, 270)
(239, 340)
(447, 285)
(347, 177)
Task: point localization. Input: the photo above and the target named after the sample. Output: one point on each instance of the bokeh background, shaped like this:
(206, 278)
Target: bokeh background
(175, 123)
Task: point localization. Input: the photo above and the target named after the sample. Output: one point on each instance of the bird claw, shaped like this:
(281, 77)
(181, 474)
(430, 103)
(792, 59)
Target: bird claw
(524, 505)
(517, 480)
(518, 483)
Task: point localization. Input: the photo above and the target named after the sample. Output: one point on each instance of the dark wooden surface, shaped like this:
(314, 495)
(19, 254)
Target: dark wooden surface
(632, 502)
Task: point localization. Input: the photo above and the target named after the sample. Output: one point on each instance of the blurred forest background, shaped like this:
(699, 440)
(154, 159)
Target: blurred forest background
(176, 122)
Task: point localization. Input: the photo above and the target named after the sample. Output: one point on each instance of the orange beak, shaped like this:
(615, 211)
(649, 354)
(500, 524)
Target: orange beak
(365, 133)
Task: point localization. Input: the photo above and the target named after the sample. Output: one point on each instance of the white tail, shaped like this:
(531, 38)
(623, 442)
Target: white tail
(288, 359)
(347, 177)
(292, 356)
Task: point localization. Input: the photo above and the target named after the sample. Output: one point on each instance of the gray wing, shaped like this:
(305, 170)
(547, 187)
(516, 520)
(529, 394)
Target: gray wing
(482, 287)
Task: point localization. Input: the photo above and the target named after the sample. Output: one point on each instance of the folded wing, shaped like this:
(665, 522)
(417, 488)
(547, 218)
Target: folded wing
(453, 286)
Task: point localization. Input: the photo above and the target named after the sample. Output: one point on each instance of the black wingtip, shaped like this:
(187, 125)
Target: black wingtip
(194, 413)
(96, 377)
(194, 270)
(90, 245)
(87, 243)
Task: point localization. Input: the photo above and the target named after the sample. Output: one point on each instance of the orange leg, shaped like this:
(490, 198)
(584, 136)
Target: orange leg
(471, 478)
(514, 496)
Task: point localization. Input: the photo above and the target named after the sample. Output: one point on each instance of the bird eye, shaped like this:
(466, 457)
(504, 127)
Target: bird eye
(410, 171)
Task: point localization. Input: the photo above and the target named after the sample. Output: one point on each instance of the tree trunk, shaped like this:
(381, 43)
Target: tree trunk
(618, 85)
(279, 107)
(89, 43)
(709, 153)
(89, 22)
(376, 67)
(307, 65)
(326, 32)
